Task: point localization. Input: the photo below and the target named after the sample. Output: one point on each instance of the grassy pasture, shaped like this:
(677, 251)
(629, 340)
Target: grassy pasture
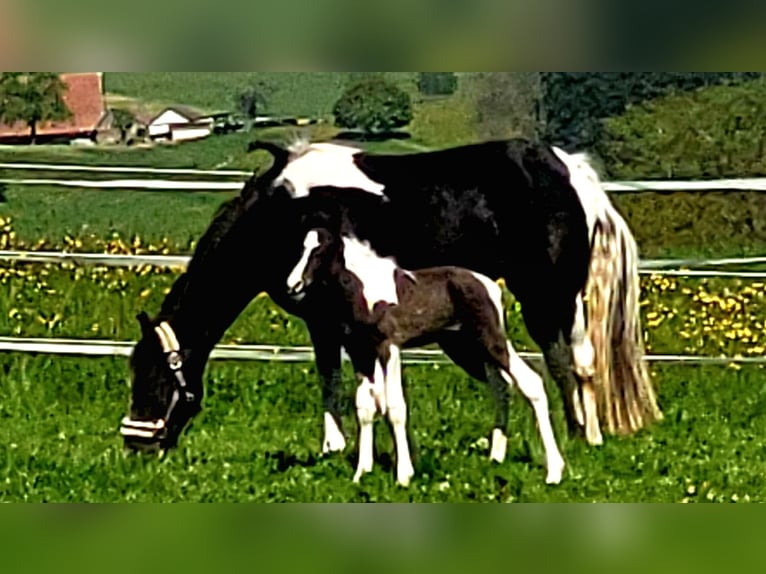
(258, 437)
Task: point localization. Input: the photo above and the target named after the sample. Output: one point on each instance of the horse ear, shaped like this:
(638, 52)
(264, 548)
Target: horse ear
(145, 322)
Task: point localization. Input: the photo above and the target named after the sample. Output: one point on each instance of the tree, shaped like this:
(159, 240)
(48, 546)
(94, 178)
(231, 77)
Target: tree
(508, 104)
(32, 98)
(252, 99)
(375, 106)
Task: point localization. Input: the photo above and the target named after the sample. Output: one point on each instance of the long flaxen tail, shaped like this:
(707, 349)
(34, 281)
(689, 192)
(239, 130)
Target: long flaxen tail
(627, 401)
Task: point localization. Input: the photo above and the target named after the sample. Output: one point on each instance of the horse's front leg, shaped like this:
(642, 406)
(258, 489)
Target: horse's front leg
(327, 353)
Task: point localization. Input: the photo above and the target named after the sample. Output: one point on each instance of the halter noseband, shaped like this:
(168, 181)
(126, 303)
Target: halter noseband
(172, 351)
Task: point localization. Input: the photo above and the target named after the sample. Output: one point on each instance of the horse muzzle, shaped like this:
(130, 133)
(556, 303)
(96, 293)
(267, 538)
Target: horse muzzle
(297, 290)
(143, 436)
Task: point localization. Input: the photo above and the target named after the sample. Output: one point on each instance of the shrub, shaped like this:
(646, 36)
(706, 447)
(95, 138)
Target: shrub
(712, 133)
(575, 103)
(374, 106)
(715, 132)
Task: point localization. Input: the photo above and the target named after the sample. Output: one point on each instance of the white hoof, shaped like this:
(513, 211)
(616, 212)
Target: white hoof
(404, 476)
(499, 446)
(334, 441)
(555, 472)
(595, 439)
(361, 470)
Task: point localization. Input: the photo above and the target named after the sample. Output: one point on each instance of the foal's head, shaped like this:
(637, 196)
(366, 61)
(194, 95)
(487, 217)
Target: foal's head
(321, 262)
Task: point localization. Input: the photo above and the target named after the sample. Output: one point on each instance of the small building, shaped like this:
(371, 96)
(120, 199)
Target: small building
(178, 123)
(84, 96)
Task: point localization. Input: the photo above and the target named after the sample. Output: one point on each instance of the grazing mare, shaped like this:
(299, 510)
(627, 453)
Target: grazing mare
(518, 210)
(384, 308)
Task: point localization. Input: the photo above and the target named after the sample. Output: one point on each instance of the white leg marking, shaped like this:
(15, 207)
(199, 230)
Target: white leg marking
(592, 427)
(379, 389)
(334, 441)
(582, 347)
(499, 446)
(365, 412)
(531, 386)
(397, 416)
(584, 359)
(579, 416)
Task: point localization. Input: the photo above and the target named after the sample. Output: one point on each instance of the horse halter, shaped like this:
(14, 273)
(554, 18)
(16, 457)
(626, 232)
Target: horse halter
(171, 348)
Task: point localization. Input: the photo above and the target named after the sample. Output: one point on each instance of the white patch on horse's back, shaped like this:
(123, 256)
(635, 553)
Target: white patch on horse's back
(310, 242)
(495, 294)
(375, 272)
(587, 185)
(325, 164)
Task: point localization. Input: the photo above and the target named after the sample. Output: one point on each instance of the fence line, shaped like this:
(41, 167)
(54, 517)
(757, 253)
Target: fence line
(279, 354)
(659, 267)
(133, 184)
(748, 184)
(751, 184)
(123, 169)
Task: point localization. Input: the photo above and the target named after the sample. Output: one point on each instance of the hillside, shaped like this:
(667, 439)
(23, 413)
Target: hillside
(298, 93)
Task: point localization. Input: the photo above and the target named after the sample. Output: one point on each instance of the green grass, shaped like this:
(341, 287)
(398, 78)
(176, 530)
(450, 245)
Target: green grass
(258, 439)
(51, 213)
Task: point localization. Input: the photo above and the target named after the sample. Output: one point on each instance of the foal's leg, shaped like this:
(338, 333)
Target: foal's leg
(366, 408)
(370, 400)
(499, 385)
(327, 348)
(397, 416)
(584, 362)
(531, 386)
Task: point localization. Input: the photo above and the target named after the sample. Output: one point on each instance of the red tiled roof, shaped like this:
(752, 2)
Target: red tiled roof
(84, 98)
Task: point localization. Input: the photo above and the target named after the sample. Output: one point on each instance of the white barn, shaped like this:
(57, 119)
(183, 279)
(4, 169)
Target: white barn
(178, 123)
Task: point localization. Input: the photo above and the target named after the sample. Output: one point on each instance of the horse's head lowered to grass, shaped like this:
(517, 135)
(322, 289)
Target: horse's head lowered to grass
(166, 389)
(239, 256)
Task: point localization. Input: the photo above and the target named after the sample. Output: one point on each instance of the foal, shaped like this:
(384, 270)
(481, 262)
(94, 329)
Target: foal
(384, 308)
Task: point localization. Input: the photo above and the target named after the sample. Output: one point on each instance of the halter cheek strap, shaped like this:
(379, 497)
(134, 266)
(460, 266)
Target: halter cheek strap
(172, 350)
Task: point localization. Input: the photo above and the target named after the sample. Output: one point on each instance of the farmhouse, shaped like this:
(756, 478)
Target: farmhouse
(177, 123)
(84, 97)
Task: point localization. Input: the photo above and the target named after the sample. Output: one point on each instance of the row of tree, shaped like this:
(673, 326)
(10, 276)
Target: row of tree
(563, 108)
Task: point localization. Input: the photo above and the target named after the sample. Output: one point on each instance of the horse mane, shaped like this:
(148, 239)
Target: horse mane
(224, 219)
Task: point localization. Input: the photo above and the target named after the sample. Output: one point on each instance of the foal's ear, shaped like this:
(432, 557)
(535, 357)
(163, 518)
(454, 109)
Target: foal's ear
(145, 322)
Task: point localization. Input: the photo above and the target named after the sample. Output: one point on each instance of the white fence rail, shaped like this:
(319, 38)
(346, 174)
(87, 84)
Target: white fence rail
(739, 184)
(277, 354)
(122, 169)
(669, 267)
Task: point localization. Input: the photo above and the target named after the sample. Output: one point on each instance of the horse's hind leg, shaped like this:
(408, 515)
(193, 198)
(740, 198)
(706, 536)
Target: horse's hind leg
(500, 391)
(544, 322)
(397, 416)
(584, 362)
(532, 387)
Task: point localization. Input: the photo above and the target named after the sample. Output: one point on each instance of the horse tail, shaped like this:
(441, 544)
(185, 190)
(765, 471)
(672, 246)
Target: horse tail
(626, 398)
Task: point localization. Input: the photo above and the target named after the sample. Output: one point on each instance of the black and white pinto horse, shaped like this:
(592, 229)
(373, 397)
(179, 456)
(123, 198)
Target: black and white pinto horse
(384, 308)
(518, 210)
